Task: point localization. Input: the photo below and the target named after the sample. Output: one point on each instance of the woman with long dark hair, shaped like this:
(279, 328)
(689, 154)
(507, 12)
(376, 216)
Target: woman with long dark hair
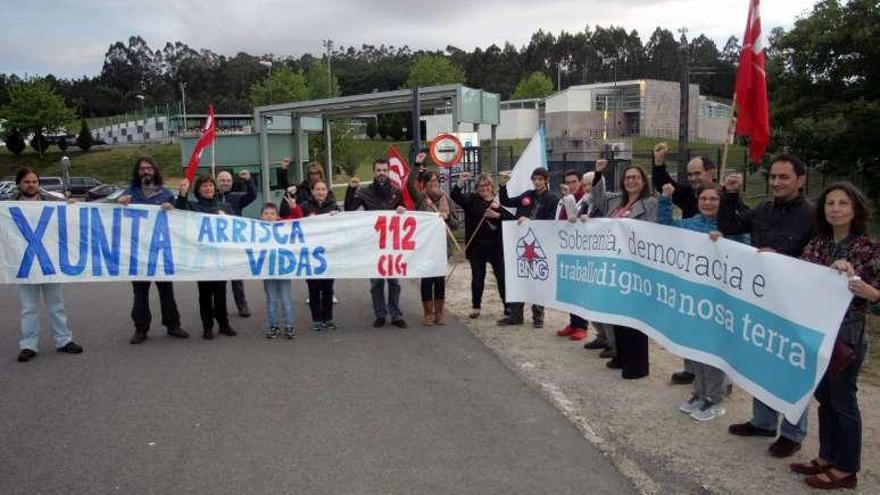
(430, 197)
(635, 200)
(841, 242)
(212, 294)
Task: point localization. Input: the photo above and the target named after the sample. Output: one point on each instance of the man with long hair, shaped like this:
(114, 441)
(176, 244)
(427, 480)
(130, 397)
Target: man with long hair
(147, 188)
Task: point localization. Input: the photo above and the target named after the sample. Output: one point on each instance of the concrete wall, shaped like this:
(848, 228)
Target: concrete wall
(574, 99)
(519, 123)
(661, 109)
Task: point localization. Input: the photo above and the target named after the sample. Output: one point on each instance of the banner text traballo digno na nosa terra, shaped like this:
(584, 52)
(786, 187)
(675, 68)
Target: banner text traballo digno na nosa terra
(58, 242)
(769, 321)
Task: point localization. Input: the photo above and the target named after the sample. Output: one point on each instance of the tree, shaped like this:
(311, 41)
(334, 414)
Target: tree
(320, 82)
(431, 70)
(372, 129)
(537, 85)
(284, 86)
(62, 143)
(84, 139)
(14, 142)
(34, 108)
(39, 143)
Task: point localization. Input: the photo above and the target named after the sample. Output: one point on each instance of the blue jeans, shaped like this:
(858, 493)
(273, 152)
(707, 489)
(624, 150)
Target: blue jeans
(278, 291)
(377, 291)
(768, 419)
(840, 421)
(29, 295)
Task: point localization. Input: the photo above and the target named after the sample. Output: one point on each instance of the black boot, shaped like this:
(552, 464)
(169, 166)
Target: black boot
(208, 333)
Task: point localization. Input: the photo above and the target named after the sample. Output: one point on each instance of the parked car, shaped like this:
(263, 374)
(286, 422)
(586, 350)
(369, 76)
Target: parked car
(7, 189)
(113, 196)
(52, 184)
(81, 185)
(102, 191)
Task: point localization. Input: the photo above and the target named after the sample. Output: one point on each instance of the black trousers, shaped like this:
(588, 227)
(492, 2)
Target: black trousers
(433, 288)
(140, 311)
(212, 303)
(632, 352)
(479, 255)
(321, 299)
(238, 294)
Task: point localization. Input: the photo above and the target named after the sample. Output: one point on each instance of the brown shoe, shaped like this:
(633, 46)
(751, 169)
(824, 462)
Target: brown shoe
(833, 481)
(428, 319)
(439, 317)
(810, 468)
(750, 430)
(784, 447)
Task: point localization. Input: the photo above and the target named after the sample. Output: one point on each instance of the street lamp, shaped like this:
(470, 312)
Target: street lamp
(141, 97)
(183, 103)
(328, 45)
(268, 63)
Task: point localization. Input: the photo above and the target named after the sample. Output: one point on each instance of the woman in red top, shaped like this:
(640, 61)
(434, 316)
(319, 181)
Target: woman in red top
(841, 242)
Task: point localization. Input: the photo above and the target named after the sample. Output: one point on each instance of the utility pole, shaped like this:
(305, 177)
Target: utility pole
(684, 106)
(328, 45)
(183, 103)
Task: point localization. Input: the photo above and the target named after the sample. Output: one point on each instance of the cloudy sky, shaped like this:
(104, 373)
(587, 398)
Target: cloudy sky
(69, 38)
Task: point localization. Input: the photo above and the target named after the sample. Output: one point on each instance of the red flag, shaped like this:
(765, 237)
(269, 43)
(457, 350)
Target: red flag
(753, 112)
(207, 137)
(397, 174)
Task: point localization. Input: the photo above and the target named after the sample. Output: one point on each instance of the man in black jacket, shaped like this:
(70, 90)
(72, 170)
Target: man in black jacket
(780, 226)
(536, 204)
(700, 173)
(238, 201)
(380, 195)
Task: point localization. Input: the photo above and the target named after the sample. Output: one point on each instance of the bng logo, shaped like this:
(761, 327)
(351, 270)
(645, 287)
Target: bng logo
(531, 262)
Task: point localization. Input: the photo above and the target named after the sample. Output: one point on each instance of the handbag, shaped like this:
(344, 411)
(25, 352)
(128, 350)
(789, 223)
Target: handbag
(841, 357)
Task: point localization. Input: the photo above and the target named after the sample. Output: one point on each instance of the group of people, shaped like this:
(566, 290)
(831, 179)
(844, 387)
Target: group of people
(834, 233)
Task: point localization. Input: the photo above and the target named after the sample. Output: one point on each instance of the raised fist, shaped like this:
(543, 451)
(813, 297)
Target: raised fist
(601, 165)
(354, 182)
(733, 183)
(668, 189)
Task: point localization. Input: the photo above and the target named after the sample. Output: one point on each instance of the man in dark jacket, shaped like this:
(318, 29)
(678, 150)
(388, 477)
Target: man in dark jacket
(147, 188)
(780, 226)
(380, 195)
(238, 201)
(536, 204)
(700, 173)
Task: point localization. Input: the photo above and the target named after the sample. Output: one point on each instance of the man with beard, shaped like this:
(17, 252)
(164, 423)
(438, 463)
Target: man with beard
(28, 182)
(380, 195)
(238, 201)
(147, 188)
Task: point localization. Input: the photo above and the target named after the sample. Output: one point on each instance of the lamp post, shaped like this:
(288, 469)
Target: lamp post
(606, 61)
(268, 63)
(183, 103)
(328, 45)
(144, 112)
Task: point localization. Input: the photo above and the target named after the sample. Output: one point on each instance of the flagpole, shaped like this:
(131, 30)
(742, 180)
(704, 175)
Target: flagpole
(731, 133)
(213, 164)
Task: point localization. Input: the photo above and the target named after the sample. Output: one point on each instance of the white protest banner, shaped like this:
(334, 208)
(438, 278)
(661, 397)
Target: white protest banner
(58, 242)
(769, 321)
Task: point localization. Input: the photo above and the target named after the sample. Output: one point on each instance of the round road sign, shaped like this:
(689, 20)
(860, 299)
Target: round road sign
(446, 150)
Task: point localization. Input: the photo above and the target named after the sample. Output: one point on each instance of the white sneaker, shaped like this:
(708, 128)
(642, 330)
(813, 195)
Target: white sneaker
(708, 411)
(307, 300)
(335, 301)
(692, 404)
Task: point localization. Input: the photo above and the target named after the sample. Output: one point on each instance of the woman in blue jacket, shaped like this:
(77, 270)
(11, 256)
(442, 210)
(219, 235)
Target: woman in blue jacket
(709, 382)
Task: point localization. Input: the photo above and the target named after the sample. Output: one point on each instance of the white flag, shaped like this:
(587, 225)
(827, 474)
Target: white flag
(534, 156)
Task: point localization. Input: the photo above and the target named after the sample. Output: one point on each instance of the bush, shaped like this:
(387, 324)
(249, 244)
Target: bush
(372, 129)
(62, 143)
(14, 142)
(39, 142)
(84, 140)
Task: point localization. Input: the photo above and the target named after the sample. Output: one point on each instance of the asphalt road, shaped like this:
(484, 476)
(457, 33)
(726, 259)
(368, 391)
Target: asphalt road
(356, 410)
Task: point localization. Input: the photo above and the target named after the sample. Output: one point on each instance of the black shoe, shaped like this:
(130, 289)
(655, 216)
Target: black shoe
(596, 344)
(379, 322)
(682, 378)
(506, 311)
(227, 330)
(783, 447)
(749, 430)
(244, 312)
(538, 323)
(71, 348)
(177, 332)
(606, 354)
(509, 321)
(614, 364)
(26, 355)
(399, 323)
(138, 337)
(208, 333)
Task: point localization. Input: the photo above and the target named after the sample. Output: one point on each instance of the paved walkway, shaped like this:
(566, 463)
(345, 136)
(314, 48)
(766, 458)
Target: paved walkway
(357, 410)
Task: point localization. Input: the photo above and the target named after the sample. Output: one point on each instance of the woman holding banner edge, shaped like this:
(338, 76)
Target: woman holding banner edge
(635, 201)
(212, 293)
(841, 242)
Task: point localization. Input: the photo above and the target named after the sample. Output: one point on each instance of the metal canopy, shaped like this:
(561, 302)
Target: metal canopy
(466, 105)
(385, 102)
